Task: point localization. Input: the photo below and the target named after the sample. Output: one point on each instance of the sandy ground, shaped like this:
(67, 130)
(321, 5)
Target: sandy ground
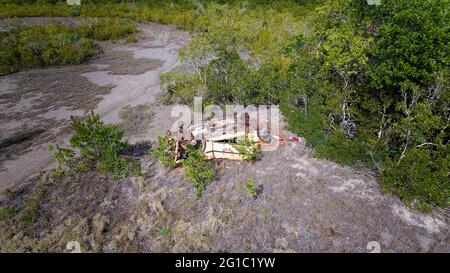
(126, 75)
(304, 204)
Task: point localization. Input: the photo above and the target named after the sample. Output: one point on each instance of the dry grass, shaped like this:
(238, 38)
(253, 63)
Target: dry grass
(136, 120)
(160, 213)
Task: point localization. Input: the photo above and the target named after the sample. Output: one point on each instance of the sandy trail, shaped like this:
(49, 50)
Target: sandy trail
(157, 42)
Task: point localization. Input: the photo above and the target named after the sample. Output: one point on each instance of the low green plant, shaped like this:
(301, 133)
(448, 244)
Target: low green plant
(164, 232)
(6, 213)
(102, 144)
(164, 151)
(74, 11)
(180, 87)
(63, 156)
(98, 143)
(198, 170)
(30, 213)
(102, 29)
(251, 188)
(249, 150)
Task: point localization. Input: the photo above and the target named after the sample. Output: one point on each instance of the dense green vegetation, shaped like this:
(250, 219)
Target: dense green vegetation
(100, 147)
(365, 85)
(57, 44)
(198, 170)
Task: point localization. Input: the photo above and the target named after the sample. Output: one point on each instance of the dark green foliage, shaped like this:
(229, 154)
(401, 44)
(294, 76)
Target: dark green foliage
(198, 171)
(165, 151)
(179, 87)
(40, 46)
(107, 29)
(98, 144)
(57, 44)
(102, 144)
(420, 178)
(226, 77)
(384, 97)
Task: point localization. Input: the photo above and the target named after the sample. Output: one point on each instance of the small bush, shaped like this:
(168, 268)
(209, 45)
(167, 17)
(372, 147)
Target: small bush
(103, 29)
(165, 151)
(249, 150)
(198, 171)
(180, 87)
(74, 11)
(63, 156)
(251, 188)
(98, 143)
(6, 213)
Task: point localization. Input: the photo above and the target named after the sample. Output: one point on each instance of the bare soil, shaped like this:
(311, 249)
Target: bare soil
(303, 204)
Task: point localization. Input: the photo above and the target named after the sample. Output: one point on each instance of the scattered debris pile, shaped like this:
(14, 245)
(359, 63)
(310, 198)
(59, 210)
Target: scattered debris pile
(220, 138)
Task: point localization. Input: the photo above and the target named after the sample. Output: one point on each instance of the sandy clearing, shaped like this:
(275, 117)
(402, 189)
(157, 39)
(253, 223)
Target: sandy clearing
(155, 51)
(157, 42)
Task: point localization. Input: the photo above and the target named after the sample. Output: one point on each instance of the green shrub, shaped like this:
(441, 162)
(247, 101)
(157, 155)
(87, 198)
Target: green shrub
(198, 170)
(64, 157)
(251, 188)
(420, 179)
(249, 150)
(164, 151)
(41, 46)
(343, 150)
(74, 11)
(311, 126)
(103, 29)
(180, 87)
(103, 144)
(98, 143)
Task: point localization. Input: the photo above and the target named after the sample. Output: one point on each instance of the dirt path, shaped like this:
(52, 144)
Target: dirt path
(44, 100)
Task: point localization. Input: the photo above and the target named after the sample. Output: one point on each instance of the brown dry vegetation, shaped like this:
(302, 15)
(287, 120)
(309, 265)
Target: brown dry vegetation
(303, 204)
(123, 63)
(136, 120)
